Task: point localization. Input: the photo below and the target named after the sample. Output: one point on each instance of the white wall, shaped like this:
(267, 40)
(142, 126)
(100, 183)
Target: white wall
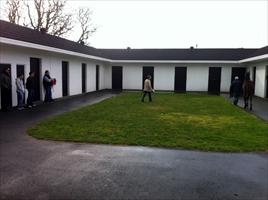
(164, 77)
(260, 81)
(53, 63)
(132, 76)
(197, 78)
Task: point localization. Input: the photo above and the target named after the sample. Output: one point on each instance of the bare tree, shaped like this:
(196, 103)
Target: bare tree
(13, 11)
(84, 19)
(49, 16)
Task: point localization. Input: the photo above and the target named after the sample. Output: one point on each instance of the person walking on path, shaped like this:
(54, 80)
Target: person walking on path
(30, 87)
(20, 91)
(5, 83)
(47, 83)
(147, 89)
(235, 90)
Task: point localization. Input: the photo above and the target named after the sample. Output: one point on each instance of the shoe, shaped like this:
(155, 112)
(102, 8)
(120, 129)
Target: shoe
(21, 108)
(29, 106)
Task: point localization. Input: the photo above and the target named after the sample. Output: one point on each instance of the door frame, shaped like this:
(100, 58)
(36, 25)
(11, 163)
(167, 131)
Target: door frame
(121, 69)
(144, 75)
(40, 78)
(218, 87)
(67, 78)
(180, 67)
(84, 77)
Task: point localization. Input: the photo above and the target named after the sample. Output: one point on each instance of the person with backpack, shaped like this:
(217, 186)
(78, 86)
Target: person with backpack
(30, 85)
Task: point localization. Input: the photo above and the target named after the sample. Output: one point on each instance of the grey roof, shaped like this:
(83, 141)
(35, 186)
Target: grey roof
(21, 33)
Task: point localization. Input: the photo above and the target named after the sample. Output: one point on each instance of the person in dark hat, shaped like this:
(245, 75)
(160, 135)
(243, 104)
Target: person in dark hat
(5, 83)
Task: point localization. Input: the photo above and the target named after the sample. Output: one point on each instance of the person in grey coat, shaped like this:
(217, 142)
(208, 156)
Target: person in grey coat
(20, 91)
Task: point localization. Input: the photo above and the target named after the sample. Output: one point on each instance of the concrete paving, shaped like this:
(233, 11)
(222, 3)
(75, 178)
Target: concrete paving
(260, 106)
(36, 169)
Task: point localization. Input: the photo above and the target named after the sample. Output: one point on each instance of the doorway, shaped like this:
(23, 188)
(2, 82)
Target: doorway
(148, 71)
(214, 80)
(116, 77)
(180, 79)
(84, 79)
(8, 98)
(97, 77)
(35, 64)
(20, 70)
(65, 77)
(240, 72)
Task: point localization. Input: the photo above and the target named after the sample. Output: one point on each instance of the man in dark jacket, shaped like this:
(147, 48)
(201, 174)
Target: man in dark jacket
(30, 84)
(236, 89)
(47, 83)
(5, 89)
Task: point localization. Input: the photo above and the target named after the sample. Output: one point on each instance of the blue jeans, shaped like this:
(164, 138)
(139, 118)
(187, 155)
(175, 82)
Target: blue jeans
(20, 96)
(30, 97)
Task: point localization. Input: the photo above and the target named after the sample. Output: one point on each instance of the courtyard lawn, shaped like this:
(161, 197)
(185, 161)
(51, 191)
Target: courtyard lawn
(186, 121)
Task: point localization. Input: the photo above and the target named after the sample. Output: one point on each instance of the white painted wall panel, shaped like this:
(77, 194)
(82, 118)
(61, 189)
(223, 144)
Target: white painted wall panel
(197, 78)
(164, 76)
(132, 77)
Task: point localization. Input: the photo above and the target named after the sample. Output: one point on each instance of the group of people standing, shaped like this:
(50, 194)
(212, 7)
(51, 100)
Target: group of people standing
(21, 87)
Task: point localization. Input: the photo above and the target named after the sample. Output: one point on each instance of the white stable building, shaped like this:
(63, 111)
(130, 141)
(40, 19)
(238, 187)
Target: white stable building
(80, 69)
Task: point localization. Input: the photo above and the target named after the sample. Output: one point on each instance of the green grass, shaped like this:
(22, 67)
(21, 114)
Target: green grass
(187, 121)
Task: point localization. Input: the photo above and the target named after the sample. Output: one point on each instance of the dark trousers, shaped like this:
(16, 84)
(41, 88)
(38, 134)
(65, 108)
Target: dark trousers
(48, 94)
(20, 96)
(6, 98)
(236, 99)
(30, 97)
(144, 95)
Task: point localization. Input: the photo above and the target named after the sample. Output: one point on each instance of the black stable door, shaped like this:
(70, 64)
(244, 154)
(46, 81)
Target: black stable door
(240, 72)
(84, 73)
(9, 97)
(97, 77)
(35, 67)
(148, 71)
(65, 66)
(214, 80)
(180, 79)
(116, 77)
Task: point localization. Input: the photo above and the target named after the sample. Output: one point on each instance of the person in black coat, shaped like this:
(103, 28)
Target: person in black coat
(47, 83)
(235, 90)
(30, 85)
(5, 84)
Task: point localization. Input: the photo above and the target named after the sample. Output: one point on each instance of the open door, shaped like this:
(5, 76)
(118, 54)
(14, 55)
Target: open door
(7, 99)
(214, 80)
(180, 79)
(84, 78)
(97, 77)
(65, 77)
(117, 78)
(240, 72)
(35, 64)
(20, 70)
(148, 71)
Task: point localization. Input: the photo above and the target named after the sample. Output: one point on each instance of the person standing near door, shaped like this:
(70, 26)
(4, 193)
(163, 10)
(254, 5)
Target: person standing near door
(147, 88)
(5, 89)
(235, 90)
(47, 83)
(20, 91)
(30, 83)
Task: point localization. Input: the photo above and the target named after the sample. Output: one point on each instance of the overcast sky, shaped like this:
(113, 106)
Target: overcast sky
(178, 24)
